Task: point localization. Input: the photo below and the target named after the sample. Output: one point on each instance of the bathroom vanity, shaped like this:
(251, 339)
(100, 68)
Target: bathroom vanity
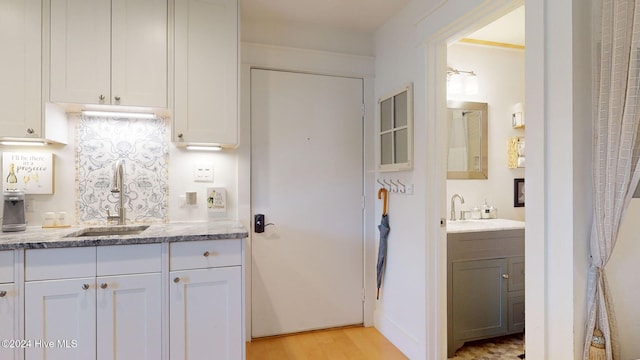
(485, 280)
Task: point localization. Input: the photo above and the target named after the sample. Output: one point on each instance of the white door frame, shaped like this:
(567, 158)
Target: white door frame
(435, 49)
(318, 62)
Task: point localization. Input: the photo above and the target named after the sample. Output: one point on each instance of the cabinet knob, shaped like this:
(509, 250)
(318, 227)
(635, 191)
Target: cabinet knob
(176, 280)
(117, 98)
(30, 131)
(505, 276)
(3, 294)
(101, 97)
(85, 286)
(181, 135)
(206, 254)
(103, 285)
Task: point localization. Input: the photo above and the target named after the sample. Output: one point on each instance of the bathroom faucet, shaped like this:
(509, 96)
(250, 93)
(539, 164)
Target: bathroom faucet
(453, 205)
(118, 187)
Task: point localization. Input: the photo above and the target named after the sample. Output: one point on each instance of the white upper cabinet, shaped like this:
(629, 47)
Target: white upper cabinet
(111, 52)
(206, 72)
(20, 68)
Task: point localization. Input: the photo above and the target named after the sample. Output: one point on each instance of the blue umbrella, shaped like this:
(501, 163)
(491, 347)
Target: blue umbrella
(384, 234)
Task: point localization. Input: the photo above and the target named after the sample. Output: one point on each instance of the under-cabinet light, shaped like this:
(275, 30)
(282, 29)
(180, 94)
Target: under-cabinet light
(204, 147)
(23, 143)
(115, 114)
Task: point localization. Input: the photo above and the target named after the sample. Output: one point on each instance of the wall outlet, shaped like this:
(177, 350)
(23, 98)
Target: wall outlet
(203, 172)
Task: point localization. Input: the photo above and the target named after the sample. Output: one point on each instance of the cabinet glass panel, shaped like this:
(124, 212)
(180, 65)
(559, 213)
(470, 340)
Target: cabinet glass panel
(386, 115)
(386, 143)
(395, 137)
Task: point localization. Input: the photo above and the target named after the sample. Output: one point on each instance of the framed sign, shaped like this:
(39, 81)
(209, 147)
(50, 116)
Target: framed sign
(28, 171)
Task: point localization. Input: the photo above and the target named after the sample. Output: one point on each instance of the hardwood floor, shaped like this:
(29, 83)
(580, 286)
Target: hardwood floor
(352, 343)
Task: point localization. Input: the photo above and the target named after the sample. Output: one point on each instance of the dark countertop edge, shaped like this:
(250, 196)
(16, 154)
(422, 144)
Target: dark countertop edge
(118, 240)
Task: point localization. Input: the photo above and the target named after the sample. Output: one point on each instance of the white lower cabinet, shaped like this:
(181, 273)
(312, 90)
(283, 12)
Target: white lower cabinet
(206, 314)
(60, 319)
(115, 317)
(129, 317)
(111, 302)
(8, 301)
(205, 300)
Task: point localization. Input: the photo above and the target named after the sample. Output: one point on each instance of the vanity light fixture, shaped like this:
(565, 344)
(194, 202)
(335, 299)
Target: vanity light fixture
(457, 80)
(204, 147)
(23, 142)
(116, 114)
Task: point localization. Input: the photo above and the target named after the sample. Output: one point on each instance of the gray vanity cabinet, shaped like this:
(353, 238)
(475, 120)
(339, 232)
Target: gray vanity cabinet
(485, 281)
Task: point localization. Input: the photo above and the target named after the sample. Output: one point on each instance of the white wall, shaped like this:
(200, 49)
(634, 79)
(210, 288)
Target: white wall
(558, 105)
(622, 271)
(306, 36)
(501, 85)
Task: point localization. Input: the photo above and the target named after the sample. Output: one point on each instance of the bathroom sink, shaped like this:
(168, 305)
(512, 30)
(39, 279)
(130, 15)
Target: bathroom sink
(109, 230)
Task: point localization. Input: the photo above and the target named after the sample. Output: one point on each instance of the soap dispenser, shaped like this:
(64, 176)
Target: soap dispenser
(485, 212)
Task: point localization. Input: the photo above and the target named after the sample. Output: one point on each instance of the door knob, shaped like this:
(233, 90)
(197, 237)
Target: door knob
(258, 223)
(505, 276)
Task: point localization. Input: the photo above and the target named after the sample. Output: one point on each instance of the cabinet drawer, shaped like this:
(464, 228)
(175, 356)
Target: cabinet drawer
(63, 263)
(205, 254)
(6, 266)
(128, 259)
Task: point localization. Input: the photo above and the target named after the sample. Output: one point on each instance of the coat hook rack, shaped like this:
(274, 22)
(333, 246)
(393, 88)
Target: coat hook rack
(395, 186)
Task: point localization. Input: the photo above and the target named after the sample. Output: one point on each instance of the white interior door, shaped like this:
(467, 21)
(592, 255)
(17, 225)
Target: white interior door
(306, 176)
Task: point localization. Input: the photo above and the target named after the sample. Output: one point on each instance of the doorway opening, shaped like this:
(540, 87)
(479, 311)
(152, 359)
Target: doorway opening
(501, 87)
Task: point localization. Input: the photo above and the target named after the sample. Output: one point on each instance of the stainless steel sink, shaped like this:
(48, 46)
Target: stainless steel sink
(109, 230)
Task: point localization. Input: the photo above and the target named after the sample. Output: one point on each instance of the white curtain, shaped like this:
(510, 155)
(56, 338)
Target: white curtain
(615, 153)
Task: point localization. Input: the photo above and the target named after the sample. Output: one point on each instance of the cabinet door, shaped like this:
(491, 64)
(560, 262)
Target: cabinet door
(20, 68)
(129, 317)
(80, 52)
(62, 315)
(7, 318)
(139, 53)
(479, 299)
(206, 71)
(516, 311)
(516, 273)
(206, 314)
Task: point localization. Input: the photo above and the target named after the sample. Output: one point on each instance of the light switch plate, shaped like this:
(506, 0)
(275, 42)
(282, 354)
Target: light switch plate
(203, 172)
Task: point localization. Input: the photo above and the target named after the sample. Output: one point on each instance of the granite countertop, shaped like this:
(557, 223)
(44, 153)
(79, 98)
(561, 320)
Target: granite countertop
(39, 238)
(462, 226)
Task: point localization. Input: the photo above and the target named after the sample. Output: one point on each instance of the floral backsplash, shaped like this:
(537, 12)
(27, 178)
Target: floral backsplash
(143, 145)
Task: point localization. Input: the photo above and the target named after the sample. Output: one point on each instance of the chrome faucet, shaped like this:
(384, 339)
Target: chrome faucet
(118, 187)
(453, 205)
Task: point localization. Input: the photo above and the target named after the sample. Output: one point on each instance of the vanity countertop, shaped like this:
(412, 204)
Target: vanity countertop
(463, 226)
(38, 238)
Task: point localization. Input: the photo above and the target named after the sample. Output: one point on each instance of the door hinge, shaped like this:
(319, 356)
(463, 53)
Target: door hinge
(364, 294)
(364, 202)
(362, 108)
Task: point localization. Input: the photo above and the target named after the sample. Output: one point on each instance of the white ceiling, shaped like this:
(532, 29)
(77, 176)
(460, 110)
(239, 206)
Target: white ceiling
(508, 29)
(367, 16)
(361, 15)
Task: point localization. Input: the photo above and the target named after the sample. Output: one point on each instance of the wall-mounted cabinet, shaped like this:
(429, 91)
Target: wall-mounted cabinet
(111, 52)
(206, 72)
(20, 68)
(22, 112)
(395, 131)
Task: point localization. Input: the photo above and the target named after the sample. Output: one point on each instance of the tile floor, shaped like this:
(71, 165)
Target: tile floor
(501, 348)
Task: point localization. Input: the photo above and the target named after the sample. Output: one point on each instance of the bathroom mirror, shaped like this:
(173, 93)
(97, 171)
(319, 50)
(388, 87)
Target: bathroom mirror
(467, 140)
